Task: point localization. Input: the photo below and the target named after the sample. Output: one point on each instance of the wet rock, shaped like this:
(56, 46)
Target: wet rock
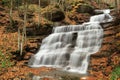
(36, 78)
(30, 62)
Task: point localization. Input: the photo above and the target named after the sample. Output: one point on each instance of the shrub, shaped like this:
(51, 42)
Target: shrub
(5, 60)
(115, 73)
(5, 2)
(15, 2)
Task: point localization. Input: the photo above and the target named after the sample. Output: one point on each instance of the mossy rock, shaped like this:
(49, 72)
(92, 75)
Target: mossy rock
(111, 7)
(84, 8)
(53, 13)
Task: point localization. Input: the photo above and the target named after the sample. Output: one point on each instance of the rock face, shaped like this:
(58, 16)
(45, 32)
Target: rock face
(32, 30)
(103, 62)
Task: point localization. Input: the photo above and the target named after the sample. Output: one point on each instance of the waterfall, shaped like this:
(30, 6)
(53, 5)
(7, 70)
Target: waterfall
(69, 47)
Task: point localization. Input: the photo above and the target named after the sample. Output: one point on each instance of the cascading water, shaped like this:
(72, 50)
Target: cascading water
(69, 47)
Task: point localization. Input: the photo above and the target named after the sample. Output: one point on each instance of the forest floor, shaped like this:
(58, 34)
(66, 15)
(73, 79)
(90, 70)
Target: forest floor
(101, 63)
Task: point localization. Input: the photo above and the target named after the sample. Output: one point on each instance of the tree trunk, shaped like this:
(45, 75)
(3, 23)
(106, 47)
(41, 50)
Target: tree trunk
(25, 19)
(116, 5)
(10, 14)
(19, 39)
(39, 15)
(24, 36)
(21, 45)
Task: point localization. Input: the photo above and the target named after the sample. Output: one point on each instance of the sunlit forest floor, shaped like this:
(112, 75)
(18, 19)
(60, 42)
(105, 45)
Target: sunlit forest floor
(13, 66)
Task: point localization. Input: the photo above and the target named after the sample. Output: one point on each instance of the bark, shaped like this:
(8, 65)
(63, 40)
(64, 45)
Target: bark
(39, 15)
(25, 19)
(10, 14)
(19, 39)
(24, 36)
(116, 5)
(21, 44)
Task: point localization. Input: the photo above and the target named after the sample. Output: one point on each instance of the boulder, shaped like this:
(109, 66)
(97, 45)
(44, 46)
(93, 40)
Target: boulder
(84, 8)
(54, 14)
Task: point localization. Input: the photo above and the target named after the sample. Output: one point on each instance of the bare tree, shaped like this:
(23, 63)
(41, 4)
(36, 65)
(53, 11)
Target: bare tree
(22, 35)
(18, 39)
(25, 19)
(10, 13)
(117, 5)
(39, 15)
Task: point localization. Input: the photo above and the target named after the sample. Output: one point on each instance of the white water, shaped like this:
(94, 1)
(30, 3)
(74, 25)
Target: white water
(69, 47)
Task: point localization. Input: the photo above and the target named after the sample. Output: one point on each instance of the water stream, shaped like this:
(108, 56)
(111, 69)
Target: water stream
(69, 47)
